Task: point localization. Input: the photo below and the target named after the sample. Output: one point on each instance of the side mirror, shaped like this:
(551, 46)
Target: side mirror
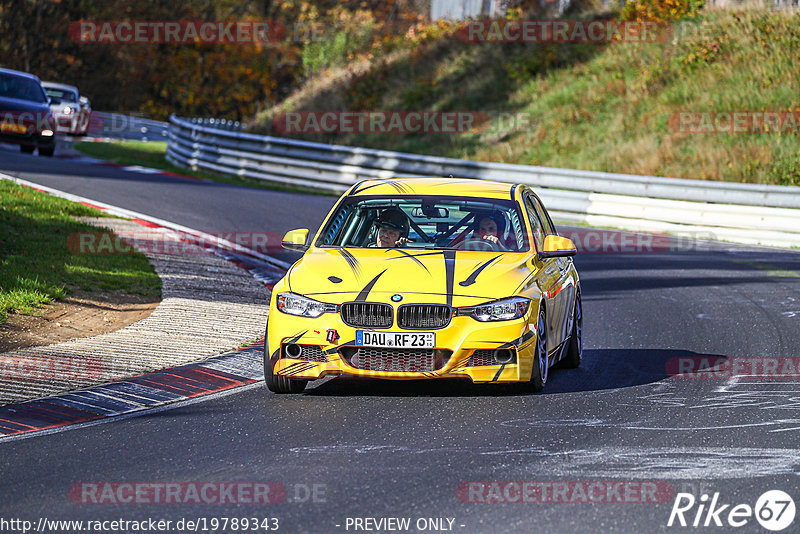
(556, 246)
(296, 240)
(83, 101)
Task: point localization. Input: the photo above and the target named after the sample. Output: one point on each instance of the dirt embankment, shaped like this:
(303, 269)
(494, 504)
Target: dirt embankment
(79, 315)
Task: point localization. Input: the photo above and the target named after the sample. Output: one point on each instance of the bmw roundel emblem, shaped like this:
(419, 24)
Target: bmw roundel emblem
(397, 297)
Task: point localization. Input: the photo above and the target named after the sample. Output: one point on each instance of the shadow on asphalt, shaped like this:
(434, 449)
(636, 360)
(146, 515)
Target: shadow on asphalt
(602, 369)
(722, 258)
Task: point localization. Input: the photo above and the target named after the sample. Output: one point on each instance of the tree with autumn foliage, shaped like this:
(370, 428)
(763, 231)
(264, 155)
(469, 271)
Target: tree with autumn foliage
(227, 80)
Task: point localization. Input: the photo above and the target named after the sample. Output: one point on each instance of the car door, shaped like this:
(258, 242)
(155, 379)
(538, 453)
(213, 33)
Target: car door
(548, 277)
(565, 288)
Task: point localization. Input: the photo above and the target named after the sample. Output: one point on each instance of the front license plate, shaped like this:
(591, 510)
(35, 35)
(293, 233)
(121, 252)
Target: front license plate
(13, 128)
(400, 340)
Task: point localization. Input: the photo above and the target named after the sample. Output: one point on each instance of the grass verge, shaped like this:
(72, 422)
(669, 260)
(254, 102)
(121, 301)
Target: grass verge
(36, 266)
(153, 154)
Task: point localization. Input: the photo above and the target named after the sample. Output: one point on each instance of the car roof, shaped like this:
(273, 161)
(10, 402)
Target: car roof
(459, 187)
(19, 73)
(55, 85)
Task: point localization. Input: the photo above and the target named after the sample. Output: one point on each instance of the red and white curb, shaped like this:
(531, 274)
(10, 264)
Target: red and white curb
(145, 392)
(133, 395)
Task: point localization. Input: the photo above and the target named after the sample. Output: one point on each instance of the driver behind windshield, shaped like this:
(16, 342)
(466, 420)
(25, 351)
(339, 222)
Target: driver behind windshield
(392, 226)
(490, 226)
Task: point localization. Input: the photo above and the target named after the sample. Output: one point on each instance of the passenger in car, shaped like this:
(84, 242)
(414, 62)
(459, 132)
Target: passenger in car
(491, 227)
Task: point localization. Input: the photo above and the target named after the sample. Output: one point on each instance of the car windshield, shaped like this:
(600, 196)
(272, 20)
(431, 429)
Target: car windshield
(63, 94)
(21, 88)
(432, 223)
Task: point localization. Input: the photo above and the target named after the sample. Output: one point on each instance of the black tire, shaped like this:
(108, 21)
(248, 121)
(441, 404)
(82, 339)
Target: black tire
(572, 359)
(25, 149)
(49, 151)
(279, 384)
(541, 368)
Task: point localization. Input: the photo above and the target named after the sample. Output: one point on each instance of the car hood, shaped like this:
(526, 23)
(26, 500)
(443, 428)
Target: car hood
(15, 104)
(457, 278)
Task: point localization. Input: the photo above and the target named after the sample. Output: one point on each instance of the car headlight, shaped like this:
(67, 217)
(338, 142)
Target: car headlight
(67, 110)
(302, 306)
(499, 310)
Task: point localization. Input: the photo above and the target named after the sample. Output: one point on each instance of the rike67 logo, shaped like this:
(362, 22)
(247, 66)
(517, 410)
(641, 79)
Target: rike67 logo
(774, 510)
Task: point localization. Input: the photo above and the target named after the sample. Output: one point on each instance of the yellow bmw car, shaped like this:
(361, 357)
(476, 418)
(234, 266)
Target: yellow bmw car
(427, 278)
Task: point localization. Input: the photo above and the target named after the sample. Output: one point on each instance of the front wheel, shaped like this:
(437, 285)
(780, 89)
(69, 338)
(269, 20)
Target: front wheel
(541, 366)
(279, 384)
(574, 354)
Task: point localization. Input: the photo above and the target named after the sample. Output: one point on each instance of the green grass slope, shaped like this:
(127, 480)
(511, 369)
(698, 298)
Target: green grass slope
(604, 107)
(36, 264)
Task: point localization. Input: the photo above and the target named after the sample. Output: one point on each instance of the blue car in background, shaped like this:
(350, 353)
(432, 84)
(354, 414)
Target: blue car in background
(25, 116)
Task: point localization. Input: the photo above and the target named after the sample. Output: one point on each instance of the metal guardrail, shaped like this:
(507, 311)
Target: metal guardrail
(219, 124)
(747, 213)
(117, 126)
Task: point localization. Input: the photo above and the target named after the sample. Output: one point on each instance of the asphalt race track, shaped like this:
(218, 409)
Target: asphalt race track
(620, 428)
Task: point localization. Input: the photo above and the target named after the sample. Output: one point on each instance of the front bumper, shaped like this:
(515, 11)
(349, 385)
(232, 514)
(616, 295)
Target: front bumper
(455, 346)
(33, 140)
(67, 123)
